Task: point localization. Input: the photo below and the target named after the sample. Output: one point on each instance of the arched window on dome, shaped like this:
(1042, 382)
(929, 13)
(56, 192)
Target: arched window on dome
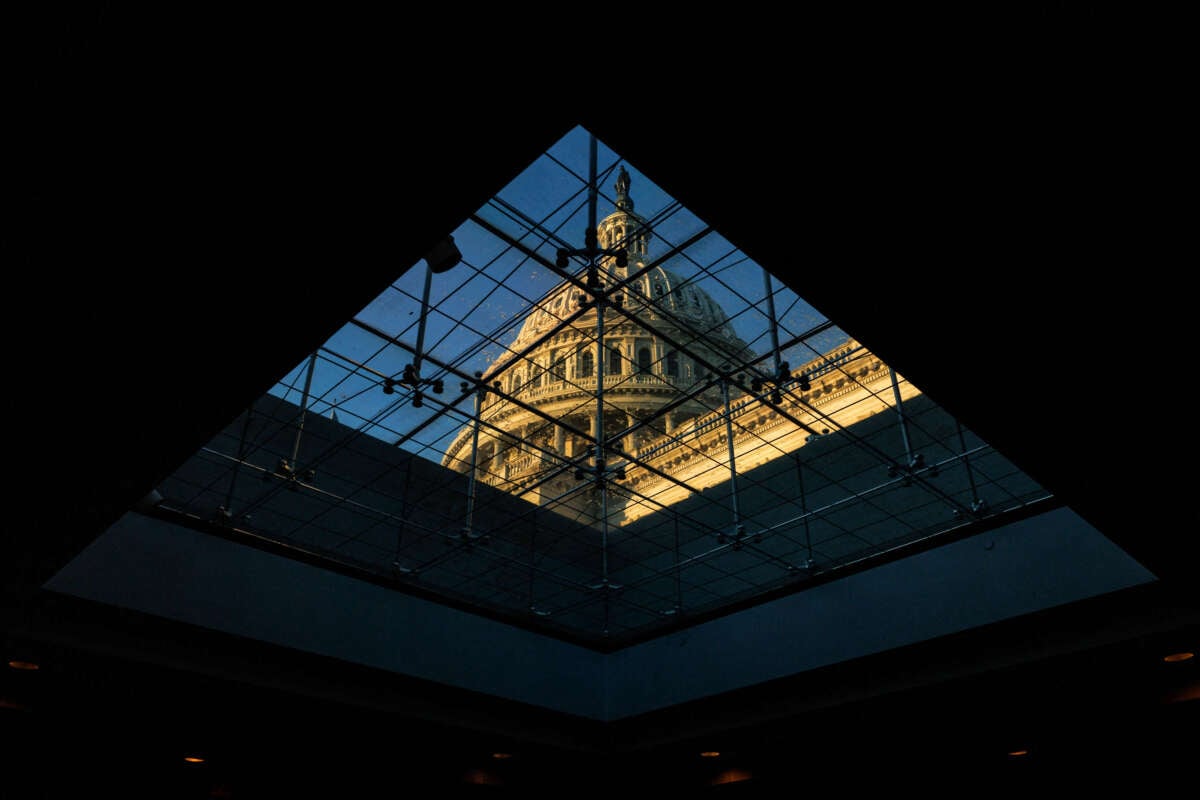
(586, 364)
(672, 364)
(614, 361)
(643, 359)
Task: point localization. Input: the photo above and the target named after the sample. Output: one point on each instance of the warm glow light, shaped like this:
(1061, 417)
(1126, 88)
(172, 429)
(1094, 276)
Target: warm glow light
(732, 776)
(193, 759)
(1178, 657)
(710, 754)
(501, 756)
(1019, 753)
(23, 665)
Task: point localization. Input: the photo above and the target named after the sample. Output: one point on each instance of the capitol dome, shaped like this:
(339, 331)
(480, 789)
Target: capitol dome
(655, 347)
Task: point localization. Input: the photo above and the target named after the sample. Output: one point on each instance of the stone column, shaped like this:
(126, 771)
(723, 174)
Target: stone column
(497, 455)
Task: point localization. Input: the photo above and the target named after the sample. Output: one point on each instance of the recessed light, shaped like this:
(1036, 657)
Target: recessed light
(710, 753)
(1018, 752)
(26, 665)
(193, 759)
(1171, 659)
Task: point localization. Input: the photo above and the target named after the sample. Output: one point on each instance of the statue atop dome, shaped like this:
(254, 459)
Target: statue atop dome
(624, 202)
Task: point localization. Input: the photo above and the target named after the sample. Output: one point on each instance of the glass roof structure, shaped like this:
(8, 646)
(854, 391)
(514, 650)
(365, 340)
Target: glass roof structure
(588, 413)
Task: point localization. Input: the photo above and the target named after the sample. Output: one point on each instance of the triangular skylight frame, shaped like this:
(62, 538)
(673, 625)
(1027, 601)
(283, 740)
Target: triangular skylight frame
(334, 473)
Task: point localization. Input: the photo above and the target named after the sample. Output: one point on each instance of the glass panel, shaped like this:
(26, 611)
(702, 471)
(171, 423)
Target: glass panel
(598, 444)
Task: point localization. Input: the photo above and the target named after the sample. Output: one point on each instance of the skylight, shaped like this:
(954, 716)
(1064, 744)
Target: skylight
(599, 439)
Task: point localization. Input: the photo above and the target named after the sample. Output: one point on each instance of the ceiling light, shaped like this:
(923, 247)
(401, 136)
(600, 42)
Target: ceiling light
(444, 256)
(1174, 657)
(710, 753)
(1018, 752)
(193, 759)
(25, 665)
(501, 756)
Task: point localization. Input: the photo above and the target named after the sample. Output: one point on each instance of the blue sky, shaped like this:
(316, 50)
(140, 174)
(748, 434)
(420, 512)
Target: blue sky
(489, 293)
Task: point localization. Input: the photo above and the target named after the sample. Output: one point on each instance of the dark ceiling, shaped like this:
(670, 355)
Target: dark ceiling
(198, 219)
